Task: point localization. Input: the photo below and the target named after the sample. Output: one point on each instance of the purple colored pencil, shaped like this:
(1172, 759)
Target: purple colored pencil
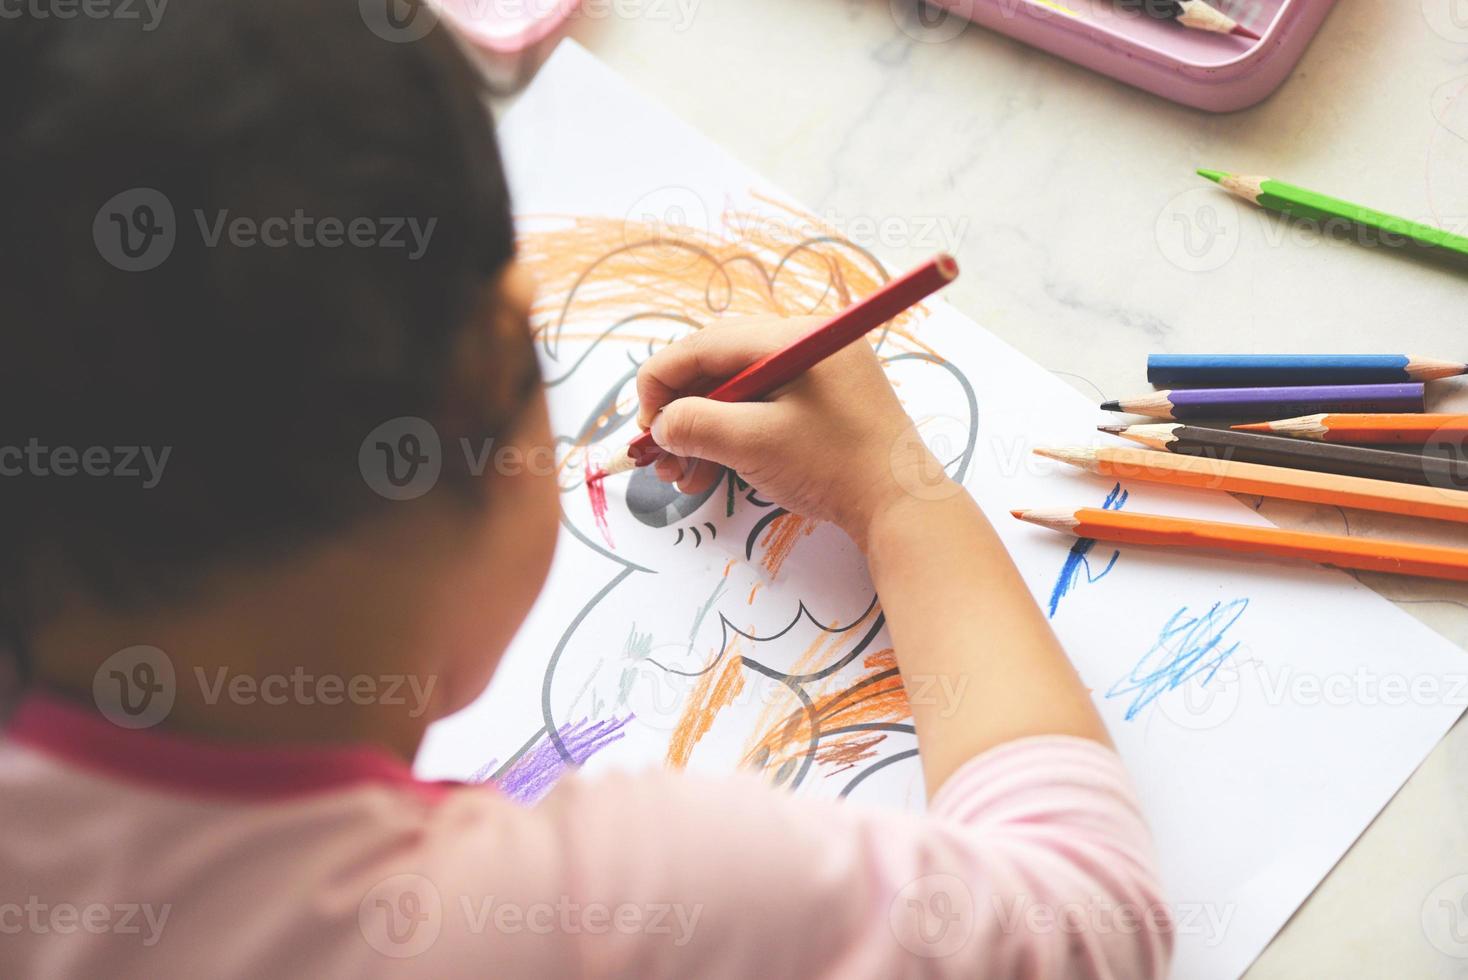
(1262, 404)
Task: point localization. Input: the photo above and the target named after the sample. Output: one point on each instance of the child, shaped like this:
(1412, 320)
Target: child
(229, 655)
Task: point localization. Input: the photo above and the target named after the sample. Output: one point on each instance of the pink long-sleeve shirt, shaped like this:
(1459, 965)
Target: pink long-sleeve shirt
(146, 854)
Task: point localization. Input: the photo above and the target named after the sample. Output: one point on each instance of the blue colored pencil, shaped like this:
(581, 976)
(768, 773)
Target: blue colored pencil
(1247, 370)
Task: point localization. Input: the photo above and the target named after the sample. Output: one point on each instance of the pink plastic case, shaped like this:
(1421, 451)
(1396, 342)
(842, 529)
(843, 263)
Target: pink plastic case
(1219, 73)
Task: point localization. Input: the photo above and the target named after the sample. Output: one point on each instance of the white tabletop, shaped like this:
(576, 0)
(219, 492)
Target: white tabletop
(1087, 242)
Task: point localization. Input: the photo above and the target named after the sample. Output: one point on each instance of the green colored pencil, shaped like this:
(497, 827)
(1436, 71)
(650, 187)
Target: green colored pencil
(1288, 199)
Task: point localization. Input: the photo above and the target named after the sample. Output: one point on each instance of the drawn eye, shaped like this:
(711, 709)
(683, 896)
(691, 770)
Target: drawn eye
(613, 411)
(659, 504)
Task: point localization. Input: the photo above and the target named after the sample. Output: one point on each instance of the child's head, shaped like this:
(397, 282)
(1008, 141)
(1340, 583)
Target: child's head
(234, 246)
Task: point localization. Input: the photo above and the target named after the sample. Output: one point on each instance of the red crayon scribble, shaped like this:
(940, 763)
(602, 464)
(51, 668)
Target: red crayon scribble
(596, 491)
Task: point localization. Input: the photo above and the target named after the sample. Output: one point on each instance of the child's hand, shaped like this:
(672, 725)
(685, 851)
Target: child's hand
(835, 444)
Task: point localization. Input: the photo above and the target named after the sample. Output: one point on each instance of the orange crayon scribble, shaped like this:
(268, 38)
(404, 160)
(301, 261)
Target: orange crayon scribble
(878, 697)
(881, 660)
(780, 539)
(753, 591)
(596, 273)
(716, 689)
(783, 732)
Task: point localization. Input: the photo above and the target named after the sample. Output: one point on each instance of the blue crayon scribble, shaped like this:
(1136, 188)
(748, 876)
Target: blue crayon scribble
(1079, 559)
(1188, 647)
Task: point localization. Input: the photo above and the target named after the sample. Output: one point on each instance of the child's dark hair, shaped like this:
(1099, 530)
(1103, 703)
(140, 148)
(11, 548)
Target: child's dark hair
(297, 145)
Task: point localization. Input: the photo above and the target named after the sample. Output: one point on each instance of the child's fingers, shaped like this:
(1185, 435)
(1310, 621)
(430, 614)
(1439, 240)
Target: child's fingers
(732, 435)
(712, 355)
(704, 474)
(692, 476)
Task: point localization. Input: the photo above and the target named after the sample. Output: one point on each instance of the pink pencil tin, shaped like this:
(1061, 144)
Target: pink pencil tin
(1215, 72)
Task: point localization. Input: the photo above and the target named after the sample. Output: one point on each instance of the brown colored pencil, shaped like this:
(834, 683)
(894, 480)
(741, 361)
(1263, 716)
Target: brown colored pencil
(1268, 481)
(1407, 430)
(1246, 447)
(1339, 551)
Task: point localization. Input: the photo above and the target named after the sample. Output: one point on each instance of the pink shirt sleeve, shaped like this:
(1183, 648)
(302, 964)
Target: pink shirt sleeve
(1033, 861)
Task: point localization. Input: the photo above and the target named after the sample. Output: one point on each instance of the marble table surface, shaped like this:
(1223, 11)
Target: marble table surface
(1087, 242)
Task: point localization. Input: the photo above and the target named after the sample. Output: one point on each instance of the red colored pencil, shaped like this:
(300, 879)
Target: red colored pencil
(789, 363)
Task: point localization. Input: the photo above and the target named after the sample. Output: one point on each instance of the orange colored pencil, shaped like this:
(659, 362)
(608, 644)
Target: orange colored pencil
(1407, 430)
(1364, 554)
(1278, 482)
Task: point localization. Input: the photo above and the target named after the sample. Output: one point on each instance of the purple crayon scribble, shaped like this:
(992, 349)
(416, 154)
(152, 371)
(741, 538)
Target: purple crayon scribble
(532, 775)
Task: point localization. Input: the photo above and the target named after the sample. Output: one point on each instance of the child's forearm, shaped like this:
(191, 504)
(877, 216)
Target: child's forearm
(980, 662)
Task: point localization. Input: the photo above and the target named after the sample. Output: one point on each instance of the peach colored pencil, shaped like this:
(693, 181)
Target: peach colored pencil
(1281, 483)
(1365, 554)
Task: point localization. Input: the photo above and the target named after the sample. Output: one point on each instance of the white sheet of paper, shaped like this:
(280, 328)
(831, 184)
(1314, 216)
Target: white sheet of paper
(1267, 712)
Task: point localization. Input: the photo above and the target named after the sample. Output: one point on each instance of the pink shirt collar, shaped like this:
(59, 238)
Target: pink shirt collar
(73, 732)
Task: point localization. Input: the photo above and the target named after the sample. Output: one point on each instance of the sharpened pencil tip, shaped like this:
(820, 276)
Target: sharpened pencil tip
(1111, 406)
(1241, 31)
(1253, 427)
(1216, 176)
(1019, 514)
(1115, 430)
(596, 476)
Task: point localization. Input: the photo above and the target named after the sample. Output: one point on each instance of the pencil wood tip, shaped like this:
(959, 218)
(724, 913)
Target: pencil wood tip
(1241, 31)
(596, 476)
(1112, 406)
(1216, 176)
(1018, 514)
(1253, 427)
(1073, 456)
(1055, 520)
(621, 464)
(1115, 430)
